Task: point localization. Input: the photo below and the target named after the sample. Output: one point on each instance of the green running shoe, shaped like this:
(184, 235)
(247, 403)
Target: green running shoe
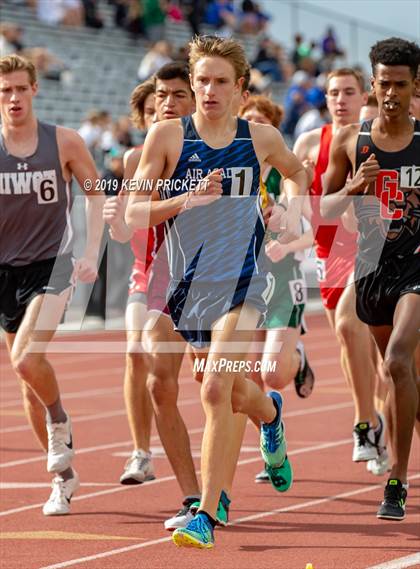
(222, 514)
(281, 477)
(272, 441)
(198, 533)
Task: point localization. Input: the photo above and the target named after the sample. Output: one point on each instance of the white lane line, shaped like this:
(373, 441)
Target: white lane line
(183, 403)
(85, 450)
(400, 563)
(30, 485)
(119, 389)
(88, 373)
(64, 376)
(81, 419)
(74, 395)
(84, 418)
(238, 521)
(304, 450)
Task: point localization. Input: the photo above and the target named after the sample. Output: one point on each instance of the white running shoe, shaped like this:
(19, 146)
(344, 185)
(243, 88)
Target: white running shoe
(364, 443)
(138, 468)
(60, 446)
(262, 477)
(183, 517)
(58, 503)
(379, 465)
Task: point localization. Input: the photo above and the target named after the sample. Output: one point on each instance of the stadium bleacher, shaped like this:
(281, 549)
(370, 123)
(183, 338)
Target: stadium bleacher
(102, 63)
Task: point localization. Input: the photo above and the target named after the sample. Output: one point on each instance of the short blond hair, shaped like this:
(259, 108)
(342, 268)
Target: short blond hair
(138, 100)
(214, 46)
(13, 62)
(342, 72)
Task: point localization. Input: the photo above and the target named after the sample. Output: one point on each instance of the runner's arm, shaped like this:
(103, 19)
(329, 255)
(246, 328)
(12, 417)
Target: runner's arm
(145, 209)
(337, 189)
(81, 164)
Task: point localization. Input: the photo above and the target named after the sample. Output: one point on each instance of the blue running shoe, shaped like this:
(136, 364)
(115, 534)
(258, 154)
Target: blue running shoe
(198, 533)
(274, 448)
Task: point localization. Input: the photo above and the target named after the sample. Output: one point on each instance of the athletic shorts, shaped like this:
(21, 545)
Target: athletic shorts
(334, 274)
(138, 279)
(20, 285)
(379, 287)
(285, 309)
(195, 307)
(158, 284)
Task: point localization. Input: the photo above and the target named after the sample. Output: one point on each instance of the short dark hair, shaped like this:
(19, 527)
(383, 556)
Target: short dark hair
(395, 51)
(174, 70)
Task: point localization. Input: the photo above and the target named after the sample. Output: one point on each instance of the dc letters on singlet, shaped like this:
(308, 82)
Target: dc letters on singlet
(389, 190)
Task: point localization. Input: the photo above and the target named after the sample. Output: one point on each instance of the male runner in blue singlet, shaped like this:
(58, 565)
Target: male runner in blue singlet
(219, 288)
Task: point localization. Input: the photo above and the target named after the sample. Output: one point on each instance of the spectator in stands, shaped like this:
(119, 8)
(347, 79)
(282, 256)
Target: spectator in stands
(94, 128)
(181, 53)
(121, 8)
(154, 16)
(295, 103)
(66, 12)
(301, 50)
(10, 39)
(48, 65)
(122, 132)
(194, 13)
(159, 54)
(92, 17)
(269, 60)
(174, 11)
(314, 118)
(91, 130)
(117, 135)
(220, 14)
(128, 15)
(251, 19)
(330, 47)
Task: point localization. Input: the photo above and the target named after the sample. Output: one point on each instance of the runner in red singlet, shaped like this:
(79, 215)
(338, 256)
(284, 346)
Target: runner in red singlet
(336, 248)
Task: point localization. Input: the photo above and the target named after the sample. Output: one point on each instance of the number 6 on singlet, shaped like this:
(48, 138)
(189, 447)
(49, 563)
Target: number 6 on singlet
(45, 186)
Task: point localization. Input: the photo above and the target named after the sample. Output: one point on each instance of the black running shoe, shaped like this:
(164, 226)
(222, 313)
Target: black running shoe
(393, 506)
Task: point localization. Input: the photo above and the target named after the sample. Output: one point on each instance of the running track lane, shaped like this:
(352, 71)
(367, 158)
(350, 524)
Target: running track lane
(327, 518)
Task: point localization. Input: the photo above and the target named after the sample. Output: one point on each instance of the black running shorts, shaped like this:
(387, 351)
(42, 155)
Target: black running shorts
(379, 287)
(19, 285)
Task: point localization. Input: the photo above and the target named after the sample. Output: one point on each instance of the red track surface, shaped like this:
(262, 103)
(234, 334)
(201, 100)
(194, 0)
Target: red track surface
(327, 518)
